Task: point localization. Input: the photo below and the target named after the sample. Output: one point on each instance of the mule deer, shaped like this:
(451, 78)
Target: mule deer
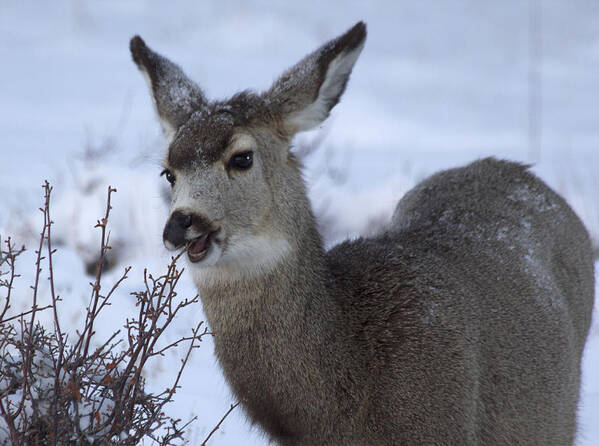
(461, 324)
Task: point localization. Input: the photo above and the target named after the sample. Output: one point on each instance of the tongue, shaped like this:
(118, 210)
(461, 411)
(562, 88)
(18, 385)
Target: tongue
(197, 248)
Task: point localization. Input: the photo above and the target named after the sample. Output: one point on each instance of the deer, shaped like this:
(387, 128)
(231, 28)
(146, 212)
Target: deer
(461, 323)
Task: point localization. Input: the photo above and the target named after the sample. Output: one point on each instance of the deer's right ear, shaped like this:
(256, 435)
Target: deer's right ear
(175, 95)
(305, 94)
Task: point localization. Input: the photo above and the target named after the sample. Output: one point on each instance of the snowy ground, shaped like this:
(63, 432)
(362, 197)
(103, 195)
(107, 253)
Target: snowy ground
(438, 84)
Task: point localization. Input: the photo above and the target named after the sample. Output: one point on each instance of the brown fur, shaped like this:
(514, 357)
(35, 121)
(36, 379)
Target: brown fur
(463, 323)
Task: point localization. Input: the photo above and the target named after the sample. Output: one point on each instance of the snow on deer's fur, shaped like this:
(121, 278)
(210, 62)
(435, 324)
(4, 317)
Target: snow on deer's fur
(461, 323)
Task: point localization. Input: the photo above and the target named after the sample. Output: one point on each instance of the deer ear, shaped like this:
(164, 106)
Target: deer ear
(175, 95)
(305, 94)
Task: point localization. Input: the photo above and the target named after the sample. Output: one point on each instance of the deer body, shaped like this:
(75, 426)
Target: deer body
(462, 324)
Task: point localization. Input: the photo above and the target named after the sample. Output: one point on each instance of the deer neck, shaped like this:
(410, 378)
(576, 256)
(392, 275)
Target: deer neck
(274, 289)
(279, 335)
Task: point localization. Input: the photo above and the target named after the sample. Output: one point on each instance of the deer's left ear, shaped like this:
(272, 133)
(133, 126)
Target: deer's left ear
(305, 94)
(175, 95)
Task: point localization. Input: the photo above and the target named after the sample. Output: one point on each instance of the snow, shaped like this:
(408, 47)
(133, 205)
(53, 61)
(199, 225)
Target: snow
(437, 85)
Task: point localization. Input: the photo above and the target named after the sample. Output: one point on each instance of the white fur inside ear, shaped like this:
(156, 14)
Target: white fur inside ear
(328, 94)
(168, 130)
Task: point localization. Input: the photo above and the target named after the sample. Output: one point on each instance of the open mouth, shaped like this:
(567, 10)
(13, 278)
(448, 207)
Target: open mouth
(198, 247)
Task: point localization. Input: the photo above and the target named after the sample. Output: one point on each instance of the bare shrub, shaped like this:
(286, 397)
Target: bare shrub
(54, 390)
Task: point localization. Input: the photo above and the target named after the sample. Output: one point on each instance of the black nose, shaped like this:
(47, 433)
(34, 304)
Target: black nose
(176, 226)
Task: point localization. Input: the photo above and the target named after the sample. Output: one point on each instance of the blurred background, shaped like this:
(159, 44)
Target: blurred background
(439, 84)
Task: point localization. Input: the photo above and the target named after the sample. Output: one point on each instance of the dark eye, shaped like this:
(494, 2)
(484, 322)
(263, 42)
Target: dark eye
(241, 161)
(169, 176)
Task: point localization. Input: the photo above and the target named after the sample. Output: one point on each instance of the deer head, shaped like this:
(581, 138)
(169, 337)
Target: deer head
(238, 197)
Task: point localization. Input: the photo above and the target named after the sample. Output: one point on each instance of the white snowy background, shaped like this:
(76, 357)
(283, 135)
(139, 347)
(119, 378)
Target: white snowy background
(438, 84)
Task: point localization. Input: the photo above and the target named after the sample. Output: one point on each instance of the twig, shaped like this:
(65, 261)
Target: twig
(96, 287)
(25, 313)
(9, 258)
(38, 269)
(233, 406)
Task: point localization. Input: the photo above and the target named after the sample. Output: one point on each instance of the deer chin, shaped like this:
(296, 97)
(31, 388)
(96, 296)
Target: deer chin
(198, 248)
